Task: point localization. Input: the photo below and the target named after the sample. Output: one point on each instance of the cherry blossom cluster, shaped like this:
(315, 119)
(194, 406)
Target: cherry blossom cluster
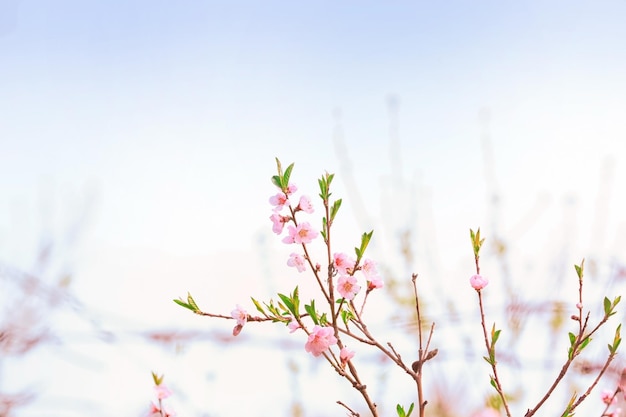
(333, 318)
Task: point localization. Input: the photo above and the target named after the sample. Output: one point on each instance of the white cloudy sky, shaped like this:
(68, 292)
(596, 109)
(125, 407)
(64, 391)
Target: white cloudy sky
(160, 123)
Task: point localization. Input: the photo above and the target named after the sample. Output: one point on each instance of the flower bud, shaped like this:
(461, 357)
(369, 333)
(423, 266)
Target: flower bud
(478, 282)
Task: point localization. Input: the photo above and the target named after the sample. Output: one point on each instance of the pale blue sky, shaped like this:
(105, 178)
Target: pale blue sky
(166, 119)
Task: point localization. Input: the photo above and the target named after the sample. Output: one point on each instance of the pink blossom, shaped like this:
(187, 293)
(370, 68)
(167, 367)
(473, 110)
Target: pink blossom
(293, 325)
(156, 411)
(278, 222)
(369, 269)
(291, 188)
(579, 306)
(240, 315)
(297, 261)
(347, 286)
(343, 263)
(320, 339)
(279, 201)
(374, 283)
(345, 355)
(615, 413)
(478, 282)
(305, 204)
(162, 391)
(302, 233)
(607, 396)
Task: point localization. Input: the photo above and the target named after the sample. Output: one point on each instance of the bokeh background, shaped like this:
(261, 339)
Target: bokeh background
(137, 143)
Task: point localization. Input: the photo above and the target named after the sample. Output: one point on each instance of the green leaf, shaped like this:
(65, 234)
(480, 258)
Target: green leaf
(572, 338)
(334, 209)
(258, 307)
(192, 303)
(310, 308)
(580, 269)
(607, 306)
(365, 240)
(617, 339)
(279, 167)
(296, 302)
(288, 302)
(492, 381)
(495, 334)
(157, 379)
(568, 409)
(400, 411)
(323, 190)
(346, 316)
(584, 343)
(287, 175)
(477, 242)
(276, 181)
(184, 304)
(410, 409)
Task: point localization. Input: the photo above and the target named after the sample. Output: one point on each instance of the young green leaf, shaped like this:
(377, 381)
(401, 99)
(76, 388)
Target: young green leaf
(617, 339)
(310, 309)
(287, 175)
(258, 307)
(184, 304)
(334, 209)
(192, 303)
(346, 316)
(289, 303)
(584, 343)
(580, 269)
(157, 379)
(607, 306)
(572, 338)
(296, 302)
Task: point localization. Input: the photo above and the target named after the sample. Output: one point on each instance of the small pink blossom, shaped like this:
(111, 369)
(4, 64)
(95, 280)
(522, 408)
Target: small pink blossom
(478, 282)
(374, 283)
(320, 339)
(343, 263)
(607, 396)
(302, 233)
(162, 391)
(617, 412)
(305, 205)
(297, 261)
(156, 411)
(278, 222)
(291, 188)
(579, 306)
(293, 325)
(369, 269)
(279, 201)
(347, 286)
(345, 355)
(240, 315)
